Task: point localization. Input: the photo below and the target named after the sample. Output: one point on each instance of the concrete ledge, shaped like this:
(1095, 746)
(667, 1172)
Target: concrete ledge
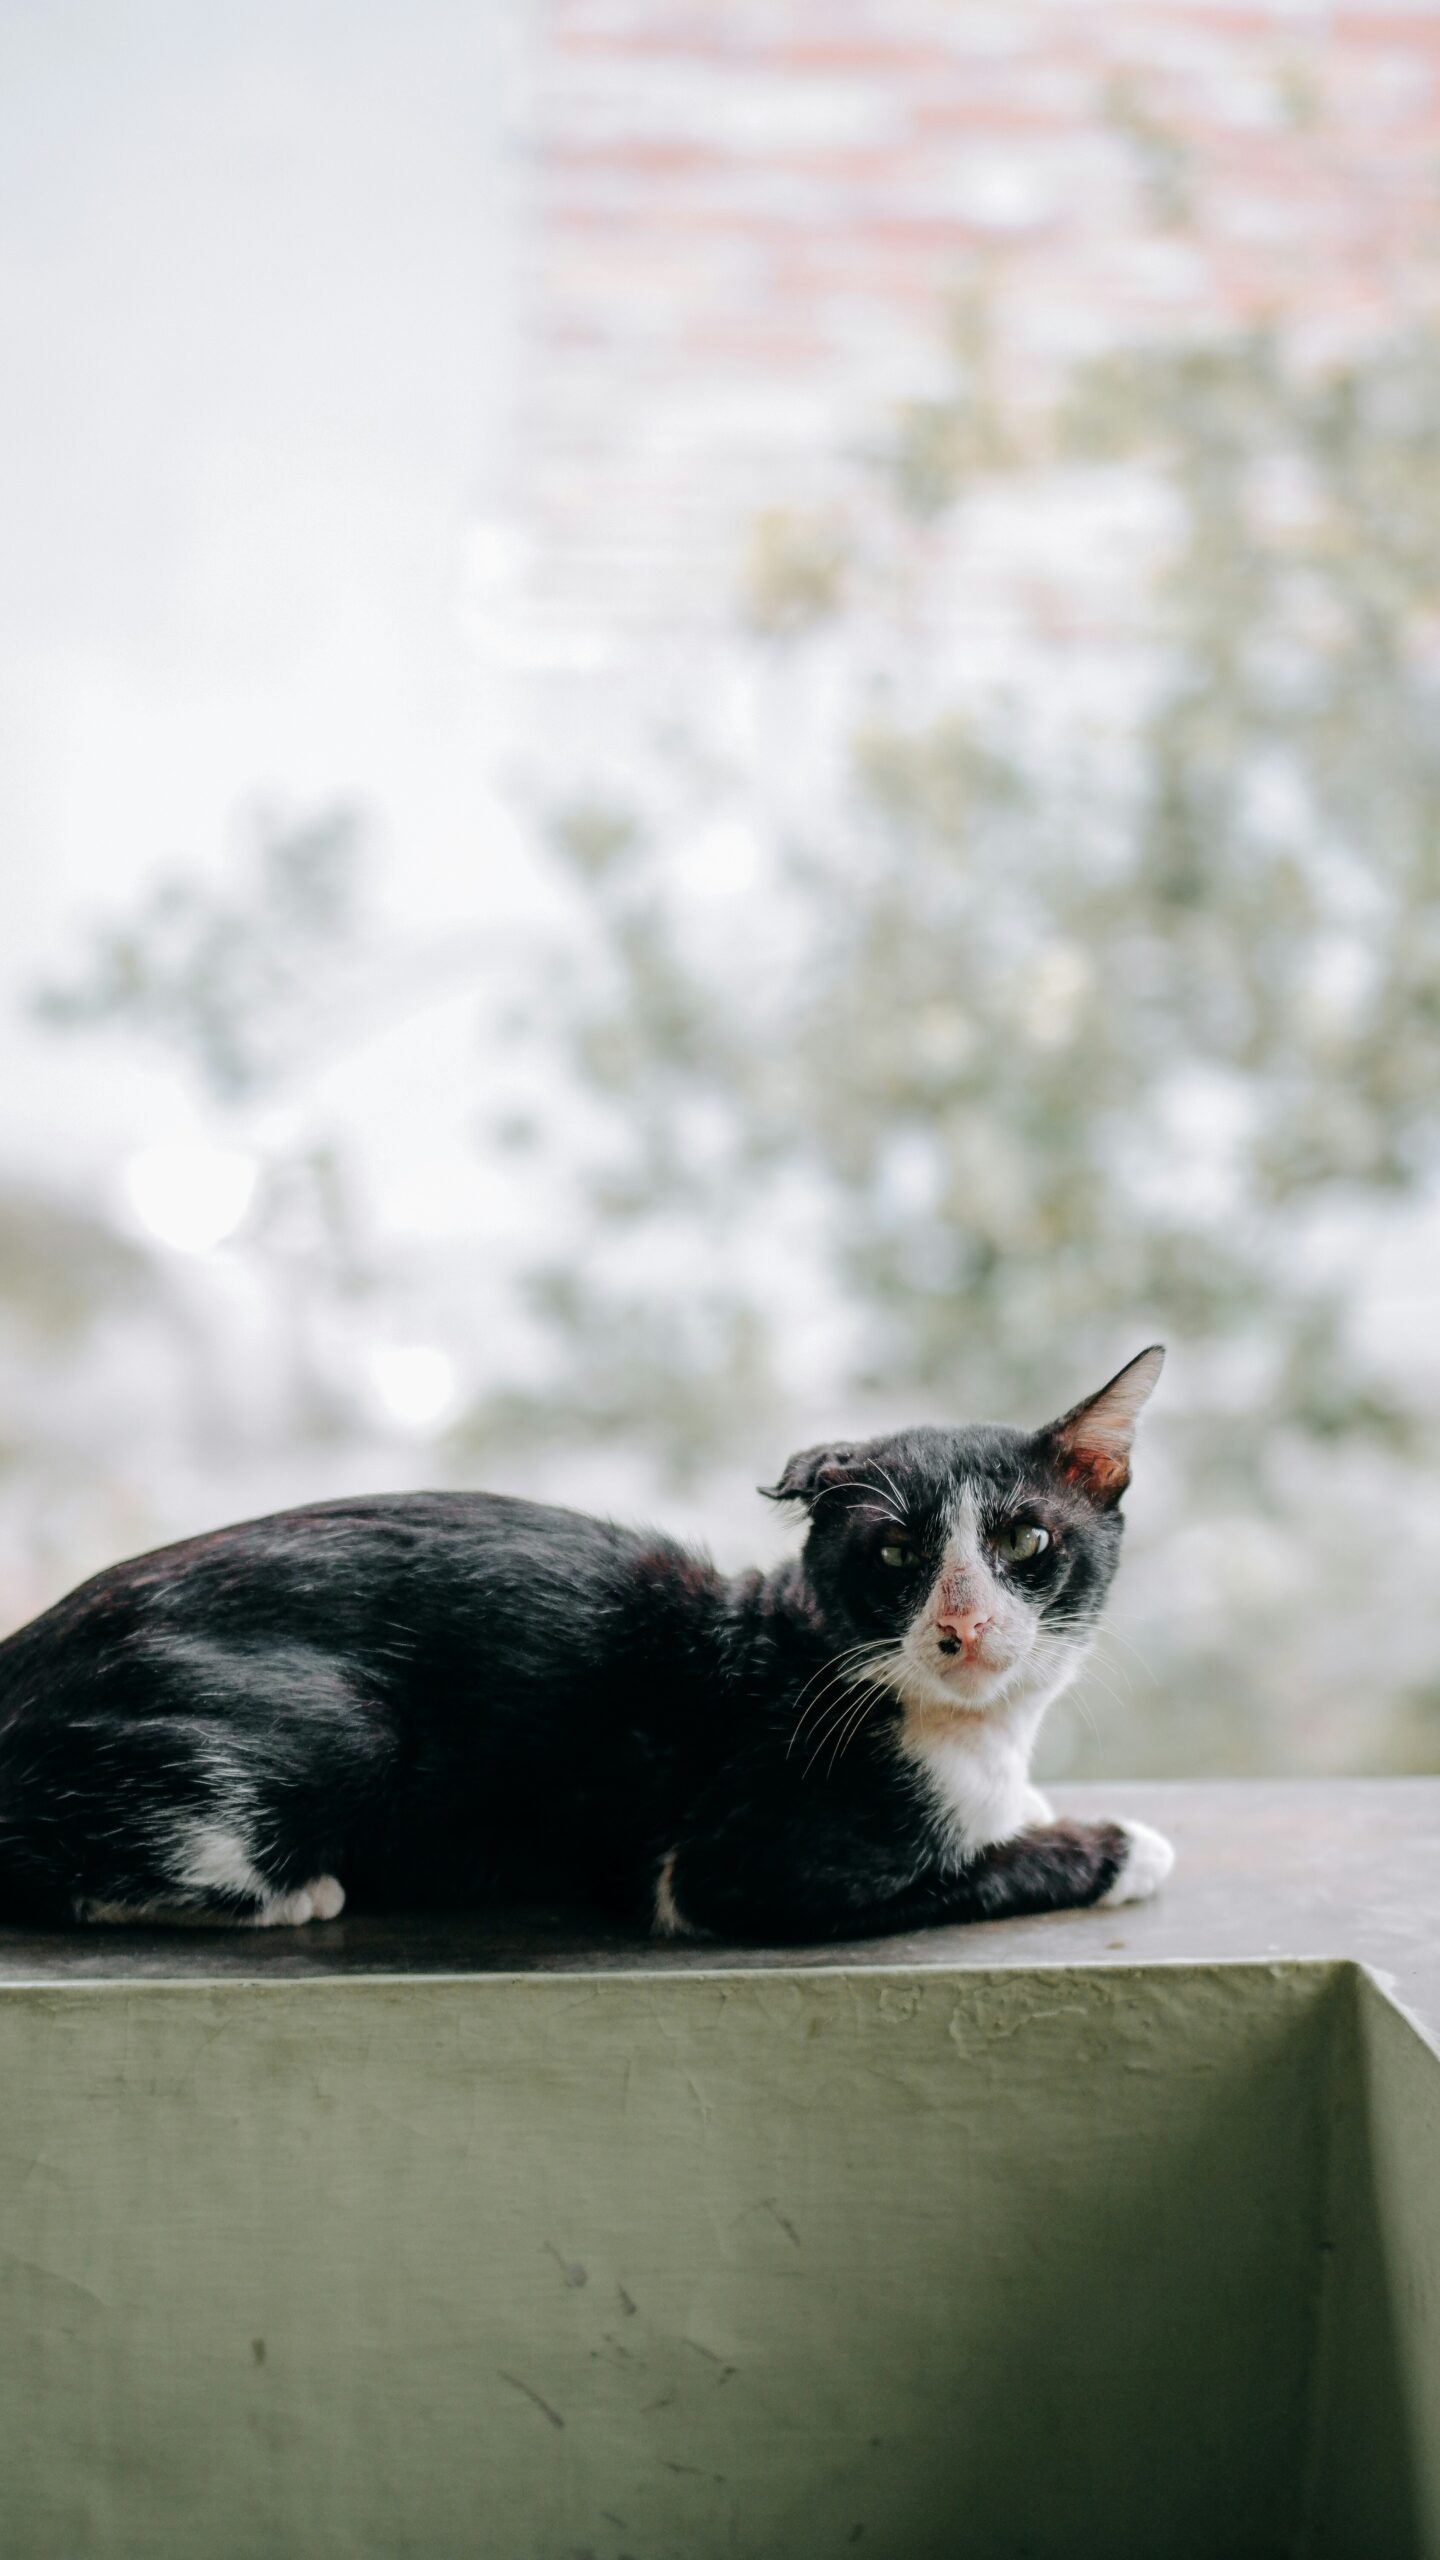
(1103, 2236)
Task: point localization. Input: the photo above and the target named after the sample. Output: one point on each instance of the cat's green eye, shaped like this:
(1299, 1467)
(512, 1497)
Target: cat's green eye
(894, 1553)
(1022, 1541)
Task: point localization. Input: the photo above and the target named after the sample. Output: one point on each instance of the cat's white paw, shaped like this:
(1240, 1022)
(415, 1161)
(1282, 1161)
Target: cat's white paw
(285, 1911)
(1038, 1808)
(322, 1899)
(1148, 1862)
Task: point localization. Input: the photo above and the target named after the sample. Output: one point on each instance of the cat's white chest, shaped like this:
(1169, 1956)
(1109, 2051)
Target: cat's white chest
(977, 1782)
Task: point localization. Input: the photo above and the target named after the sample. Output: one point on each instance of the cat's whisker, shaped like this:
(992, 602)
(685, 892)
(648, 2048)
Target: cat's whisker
(1121, 1671)
(820, 1709)
(1123, 1704)
(846, 1654)
(890, 1481)
(849, 1653)
(841, 1669)
(828, 1730)
(827, 1716)
(827, 1726)
(848, 1707)
(1115, 1635)
(853, 1666)
(844, 1736)
(859, 1718)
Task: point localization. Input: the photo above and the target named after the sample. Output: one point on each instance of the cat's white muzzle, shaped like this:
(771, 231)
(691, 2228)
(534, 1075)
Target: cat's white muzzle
(966, 1685)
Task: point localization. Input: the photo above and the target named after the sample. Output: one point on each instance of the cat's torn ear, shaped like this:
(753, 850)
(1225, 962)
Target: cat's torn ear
(1091, 1443)
(810, 1473)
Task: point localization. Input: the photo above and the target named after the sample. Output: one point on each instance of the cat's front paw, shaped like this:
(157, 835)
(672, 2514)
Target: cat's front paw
(1148, 1861)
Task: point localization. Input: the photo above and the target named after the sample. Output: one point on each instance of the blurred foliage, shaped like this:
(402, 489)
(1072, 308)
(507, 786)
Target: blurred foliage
(793, 571)
(235, 982)
(593, 837)
(62, 1269)
(936, 447)
(714, 1355)
(1163, 163)
(226, 976)
(1068, 1057)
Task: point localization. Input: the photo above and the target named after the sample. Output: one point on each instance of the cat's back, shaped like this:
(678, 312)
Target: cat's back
(349, 1571)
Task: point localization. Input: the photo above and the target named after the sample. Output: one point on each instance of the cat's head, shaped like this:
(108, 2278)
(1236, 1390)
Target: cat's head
(968, 1568)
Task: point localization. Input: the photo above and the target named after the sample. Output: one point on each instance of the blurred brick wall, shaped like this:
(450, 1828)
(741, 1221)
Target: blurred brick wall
(747, 223)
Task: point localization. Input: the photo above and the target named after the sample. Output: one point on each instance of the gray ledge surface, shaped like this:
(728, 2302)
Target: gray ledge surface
(1271, 1870)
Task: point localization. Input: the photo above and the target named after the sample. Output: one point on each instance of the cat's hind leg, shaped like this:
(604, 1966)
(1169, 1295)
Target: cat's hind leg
(227, 1861)
(201, 1819)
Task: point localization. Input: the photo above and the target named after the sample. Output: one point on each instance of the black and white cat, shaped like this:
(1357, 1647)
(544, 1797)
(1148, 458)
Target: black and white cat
(450, 1699)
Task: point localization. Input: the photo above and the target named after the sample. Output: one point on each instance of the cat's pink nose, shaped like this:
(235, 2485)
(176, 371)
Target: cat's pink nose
(965, 1627)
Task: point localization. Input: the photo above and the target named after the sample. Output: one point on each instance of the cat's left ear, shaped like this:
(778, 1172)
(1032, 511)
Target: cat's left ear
(1091, 1443)
(810, 1473)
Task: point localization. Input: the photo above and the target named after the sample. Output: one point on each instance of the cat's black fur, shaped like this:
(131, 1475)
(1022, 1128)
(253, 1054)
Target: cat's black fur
(457, 1698)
